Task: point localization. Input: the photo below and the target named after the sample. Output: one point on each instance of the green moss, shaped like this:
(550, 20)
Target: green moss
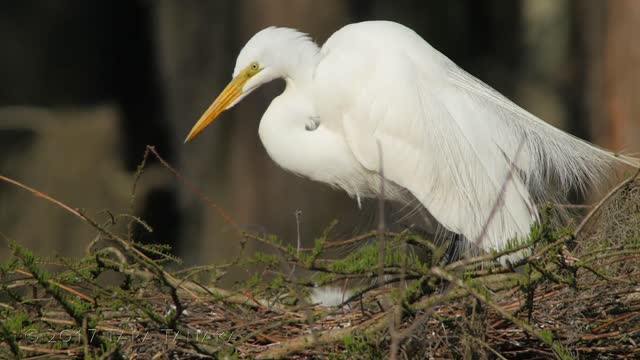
(357, 346)
(365, 260)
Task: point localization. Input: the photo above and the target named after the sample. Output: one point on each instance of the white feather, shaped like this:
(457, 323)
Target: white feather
(448, 138)
(477, 162)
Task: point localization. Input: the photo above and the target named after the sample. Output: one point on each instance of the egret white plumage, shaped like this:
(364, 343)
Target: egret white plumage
(446, 139)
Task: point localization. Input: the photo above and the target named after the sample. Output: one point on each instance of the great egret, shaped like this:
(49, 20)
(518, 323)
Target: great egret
(377, 90)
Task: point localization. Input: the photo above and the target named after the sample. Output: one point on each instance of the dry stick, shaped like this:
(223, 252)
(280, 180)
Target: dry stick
(358, 295)
(484, 258)
(101, 229)
(62, 286)
(598, 206)
(166, 278)
(191, 287)
(43, 195)
(556, 346)
(297, 215)
(429, 305)
(298, 344)
(395, 341)
(296, 288)
(381, 226)
(315, 267)
(419, 320)
(132, 200)
(312, 267)
(486, 346)
(227, 296)
(69, 352)
(370, 326)
(583, 223)
(73, 291)
(353, 240)
(497, 204)
(193, 188)
(395, 316)
(265, 241)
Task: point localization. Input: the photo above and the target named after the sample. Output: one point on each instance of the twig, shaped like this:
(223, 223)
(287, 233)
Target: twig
(297, 215)
(134, 186)
(44, 196)
(193, 188)
(62, 286)
(381, 225)
(10, 339)
(298, 344)
(126, 244)
(556, 346)
(498, 201)
(599, 205)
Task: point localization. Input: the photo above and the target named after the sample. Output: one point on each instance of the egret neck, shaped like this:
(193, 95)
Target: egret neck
(316, 151)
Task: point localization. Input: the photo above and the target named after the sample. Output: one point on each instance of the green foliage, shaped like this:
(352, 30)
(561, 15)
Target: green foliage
(144, 290)
(161, 251)
(268, 305)
(76, 309)
(365, 260)
(357, 346)
(15, 321)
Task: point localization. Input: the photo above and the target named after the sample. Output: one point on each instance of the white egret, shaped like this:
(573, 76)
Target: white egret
(447, 139)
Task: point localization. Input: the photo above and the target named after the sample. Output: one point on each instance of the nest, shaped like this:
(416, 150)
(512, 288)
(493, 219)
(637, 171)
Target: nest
(576, 295)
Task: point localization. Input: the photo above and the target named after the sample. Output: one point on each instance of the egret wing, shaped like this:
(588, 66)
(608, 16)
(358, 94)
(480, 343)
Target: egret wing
(474, 159)
(436, 140)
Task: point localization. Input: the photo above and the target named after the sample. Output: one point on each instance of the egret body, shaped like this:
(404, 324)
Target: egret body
(477, 162)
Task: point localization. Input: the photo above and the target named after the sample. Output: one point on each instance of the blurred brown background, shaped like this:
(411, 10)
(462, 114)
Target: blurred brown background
(85, 86)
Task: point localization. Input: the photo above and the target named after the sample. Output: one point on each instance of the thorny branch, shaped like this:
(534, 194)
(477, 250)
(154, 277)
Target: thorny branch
(428, 298)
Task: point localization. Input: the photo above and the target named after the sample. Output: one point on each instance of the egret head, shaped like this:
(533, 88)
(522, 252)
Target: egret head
(270, 54)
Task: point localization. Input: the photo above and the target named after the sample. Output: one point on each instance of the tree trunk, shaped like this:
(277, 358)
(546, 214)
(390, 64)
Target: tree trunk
(609, 31)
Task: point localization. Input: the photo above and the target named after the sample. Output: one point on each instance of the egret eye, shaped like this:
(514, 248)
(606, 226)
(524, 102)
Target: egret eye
(253, 69)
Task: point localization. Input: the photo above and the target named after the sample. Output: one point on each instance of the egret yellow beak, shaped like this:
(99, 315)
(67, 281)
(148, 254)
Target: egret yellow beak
(230, 93)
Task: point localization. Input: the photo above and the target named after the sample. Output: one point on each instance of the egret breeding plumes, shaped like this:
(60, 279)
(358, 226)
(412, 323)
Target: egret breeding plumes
(475, 161)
